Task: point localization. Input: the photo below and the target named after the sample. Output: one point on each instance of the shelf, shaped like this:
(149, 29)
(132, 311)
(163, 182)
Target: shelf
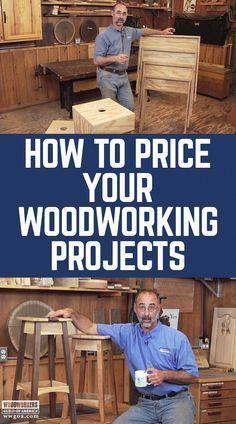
(62, 3)
(213, 3)
(108, 292)
(75, 3)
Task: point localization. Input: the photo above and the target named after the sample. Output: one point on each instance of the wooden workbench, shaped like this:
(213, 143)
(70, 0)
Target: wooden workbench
(78, 75)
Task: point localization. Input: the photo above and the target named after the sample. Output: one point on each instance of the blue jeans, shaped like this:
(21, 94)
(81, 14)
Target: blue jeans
(179, 409)
(116, 87)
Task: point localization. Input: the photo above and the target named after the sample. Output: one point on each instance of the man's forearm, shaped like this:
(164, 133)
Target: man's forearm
(101, 60)
(178, 377)
(83, 323)
(150, 31)
(157, 377)
(80, 321)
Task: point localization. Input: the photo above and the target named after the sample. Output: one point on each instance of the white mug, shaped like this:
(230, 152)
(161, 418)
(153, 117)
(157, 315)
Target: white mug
(141, 378)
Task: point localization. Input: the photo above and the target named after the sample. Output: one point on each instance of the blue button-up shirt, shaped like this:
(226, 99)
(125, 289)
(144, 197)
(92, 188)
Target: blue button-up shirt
(163, 348)
(113, 42)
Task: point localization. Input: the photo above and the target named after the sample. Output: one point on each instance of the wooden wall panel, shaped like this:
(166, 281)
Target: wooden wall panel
(179, 293)
(18, 84)
(8, 96)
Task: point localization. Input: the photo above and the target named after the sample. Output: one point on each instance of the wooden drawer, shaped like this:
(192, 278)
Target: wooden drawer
(217, 403)
(218, 385)
(218, 394)
(216, 415)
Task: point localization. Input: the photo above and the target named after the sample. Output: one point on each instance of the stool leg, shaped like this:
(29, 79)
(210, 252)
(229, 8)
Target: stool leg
(19, 363)
(101, 375)
(69, 377)
(35, 366)
(65, 406)
(82, 372)
(51, 373)
(111, 381)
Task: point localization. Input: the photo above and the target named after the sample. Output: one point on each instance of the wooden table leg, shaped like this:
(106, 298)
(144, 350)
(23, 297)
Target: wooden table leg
(20, 361)
(100, 374)
(62, 95)
(111, 380)
(69, 376)
(68, 96)
(51, 373)
(35, 366)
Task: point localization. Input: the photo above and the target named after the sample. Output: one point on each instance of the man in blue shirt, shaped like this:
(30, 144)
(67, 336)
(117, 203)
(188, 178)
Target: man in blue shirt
(111, 55)
(162, 351)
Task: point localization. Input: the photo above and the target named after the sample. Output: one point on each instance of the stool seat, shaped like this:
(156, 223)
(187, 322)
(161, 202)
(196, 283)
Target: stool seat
(102, 117)
(46, 386)
(99, 344)
(89, 337)
(41, 326)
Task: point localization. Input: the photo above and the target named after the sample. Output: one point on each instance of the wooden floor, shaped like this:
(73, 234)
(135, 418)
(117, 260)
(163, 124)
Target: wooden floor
(164, 114)
(85, 419)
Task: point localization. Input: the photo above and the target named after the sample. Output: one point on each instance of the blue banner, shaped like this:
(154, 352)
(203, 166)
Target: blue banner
(118, 205)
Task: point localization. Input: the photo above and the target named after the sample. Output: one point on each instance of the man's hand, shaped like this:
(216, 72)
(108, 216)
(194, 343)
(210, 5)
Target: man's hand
(168, 31)
(64, 313)
(122, 58)
(156, 377)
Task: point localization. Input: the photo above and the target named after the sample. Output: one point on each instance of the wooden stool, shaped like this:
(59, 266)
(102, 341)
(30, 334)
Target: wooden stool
(37, 327)
(102, 117)
(99, 344)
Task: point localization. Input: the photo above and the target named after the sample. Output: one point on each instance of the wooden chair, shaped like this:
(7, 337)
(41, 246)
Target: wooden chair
(51, 328)
(99, 344)
(174, 79)
(179, 49)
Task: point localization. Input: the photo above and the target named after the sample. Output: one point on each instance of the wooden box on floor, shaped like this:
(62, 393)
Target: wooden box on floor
(213, 80)
(61, 127)
(102, 117)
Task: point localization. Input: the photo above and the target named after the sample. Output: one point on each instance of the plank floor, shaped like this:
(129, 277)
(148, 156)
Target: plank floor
(88, 418)
(164, 114)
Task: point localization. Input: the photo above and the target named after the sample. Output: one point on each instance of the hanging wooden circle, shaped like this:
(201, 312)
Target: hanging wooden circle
(64, 31)
(32, 308)
(88, 31)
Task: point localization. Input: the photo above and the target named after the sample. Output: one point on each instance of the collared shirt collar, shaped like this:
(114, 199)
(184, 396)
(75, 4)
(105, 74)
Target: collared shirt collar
(155, 330)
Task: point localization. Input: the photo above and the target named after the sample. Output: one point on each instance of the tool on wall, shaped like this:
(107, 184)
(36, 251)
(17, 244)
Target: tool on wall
(64, 31)
(88, 30)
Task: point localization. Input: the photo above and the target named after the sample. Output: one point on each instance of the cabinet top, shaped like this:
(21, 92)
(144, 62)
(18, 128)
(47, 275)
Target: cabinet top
(215, 376)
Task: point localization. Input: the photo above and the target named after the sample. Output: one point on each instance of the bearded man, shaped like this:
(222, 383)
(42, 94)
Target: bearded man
(163, 352)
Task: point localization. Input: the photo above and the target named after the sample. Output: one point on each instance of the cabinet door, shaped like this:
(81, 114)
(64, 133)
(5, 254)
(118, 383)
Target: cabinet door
(223, 341)
(21, 20)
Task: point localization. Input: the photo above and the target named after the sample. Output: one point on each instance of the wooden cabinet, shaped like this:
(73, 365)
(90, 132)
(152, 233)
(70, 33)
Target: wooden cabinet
(215, 397)
(20, 20)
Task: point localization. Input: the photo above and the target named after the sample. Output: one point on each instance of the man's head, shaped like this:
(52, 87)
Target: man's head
(119, 14)
(147, 309)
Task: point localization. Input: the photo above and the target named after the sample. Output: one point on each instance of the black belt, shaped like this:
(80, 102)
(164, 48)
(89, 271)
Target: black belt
(114, 71)
(167, 395)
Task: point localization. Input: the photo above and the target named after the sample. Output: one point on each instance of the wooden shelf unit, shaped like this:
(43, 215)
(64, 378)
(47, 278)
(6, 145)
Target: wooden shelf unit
(109, 292)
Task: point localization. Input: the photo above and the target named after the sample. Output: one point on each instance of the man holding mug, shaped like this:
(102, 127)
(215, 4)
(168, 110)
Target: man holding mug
(112, 52)
(160, 360)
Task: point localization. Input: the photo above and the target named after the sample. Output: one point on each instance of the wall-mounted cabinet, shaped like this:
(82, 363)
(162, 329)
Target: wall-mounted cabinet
(20, 20)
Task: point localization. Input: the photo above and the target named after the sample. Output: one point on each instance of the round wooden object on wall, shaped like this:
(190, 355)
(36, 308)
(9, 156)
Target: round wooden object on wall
(32, 308)
(64, 31)
(88, 31)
